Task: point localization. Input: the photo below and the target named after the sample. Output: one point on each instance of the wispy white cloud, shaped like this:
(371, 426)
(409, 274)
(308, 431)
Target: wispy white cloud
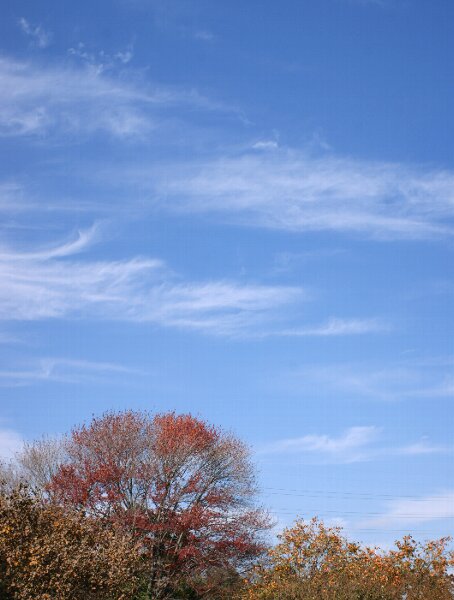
(49, 283)
(10, 197)
(356, 444)
(101, 59)
(296, 191)
(413, 511)
(83, 240)
(11, 442)
(37, 100)
(7, 338)
(398, 381)
(37, 33)
(422, 447)
(204, 35)
(337, 327)
(63, 370)
(63, 99)
(348, 447)
(286, 262)
(265, 145)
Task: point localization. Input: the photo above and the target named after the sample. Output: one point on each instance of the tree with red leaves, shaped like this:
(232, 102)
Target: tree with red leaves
(184, 487)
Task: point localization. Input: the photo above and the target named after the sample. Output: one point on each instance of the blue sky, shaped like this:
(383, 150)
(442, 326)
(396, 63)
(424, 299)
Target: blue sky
(245, 211)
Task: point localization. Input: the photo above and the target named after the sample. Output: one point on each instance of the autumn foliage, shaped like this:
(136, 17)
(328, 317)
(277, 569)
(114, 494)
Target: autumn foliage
(47, 553)
(182, 488)
(315, 562)
(138, 507)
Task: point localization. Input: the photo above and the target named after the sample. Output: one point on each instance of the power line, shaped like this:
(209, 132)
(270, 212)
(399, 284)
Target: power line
(366, 495)
(353, 529)
(360, 512)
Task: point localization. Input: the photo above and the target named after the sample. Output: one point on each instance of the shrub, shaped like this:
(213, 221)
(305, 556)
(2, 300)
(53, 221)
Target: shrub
(49, 553)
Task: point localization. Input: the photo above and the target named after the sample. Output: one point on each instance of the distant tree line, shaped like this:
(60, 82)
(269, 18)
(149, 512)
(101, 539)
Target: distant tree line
(135, 506)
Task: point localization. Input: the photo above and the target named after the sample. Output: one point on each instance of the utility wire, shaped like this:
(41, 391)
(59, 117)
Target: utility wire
(358, 512)
(365, 495)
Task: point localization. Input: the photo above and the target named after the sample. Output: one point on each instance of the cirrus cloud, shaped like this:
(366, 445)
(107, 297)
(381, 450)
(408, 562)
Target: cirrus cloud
(295, 191)
(49, 283)
(68, 99)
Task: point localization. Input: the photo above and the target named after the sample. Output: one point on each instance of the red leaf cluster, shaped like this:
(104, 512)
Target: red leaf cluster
(185, 488)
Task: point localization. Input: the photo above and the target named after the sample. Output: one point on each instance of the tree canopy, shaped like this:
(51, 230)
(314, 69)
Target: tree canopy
(184, 488)
(49, 553)
(133, 506)
(316, 562)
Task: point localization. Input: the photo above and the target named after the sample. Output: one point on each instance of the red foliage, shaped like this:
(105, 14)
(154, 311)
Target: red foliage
(185, 487)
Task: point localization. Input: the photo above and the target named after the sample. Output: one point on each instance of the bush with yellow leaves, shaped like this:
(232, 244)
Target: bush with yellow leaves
(47, 553)
(315, 562)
